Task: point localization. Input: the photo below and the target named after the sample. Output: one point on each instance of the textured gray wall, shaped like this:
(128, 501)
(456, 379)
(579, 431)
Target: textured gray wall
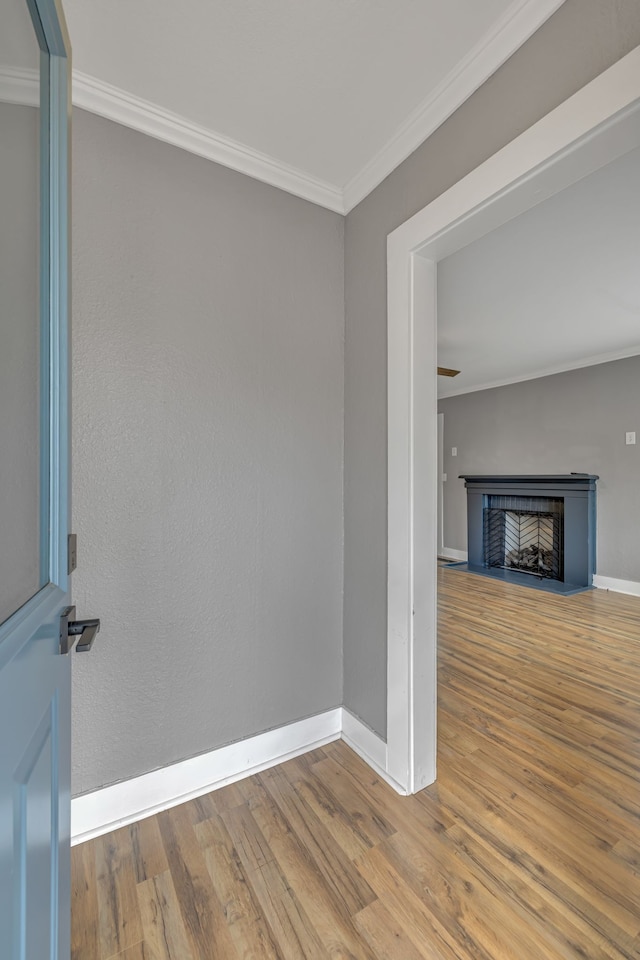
(207, 442)
(574, 421)
(19, 357)
(575, 45)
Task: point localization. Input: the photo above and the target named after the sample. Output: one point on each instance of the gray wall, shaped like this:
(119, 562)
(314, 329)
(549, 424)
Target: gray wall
(574, 46)
(574, 421)
(207, 443)
(19, 357)
(208, 379)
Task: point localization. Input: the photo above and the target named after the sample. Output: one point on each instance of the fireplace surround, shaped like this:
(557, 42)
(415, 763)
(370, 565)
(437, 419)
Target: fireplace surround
(536, 530)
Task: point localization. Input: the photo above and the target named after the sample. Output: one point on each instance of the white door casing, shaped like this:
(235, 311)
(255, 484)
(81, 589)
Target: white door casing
(441, 484)
(595, 126)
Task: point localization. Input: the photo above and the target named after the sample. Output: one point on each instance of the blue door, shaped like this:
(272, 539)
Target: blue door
(34, 482)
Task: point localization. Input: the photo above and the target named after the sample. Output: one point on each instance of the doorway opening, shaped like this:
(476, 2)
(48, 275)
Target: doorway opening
(598, 124)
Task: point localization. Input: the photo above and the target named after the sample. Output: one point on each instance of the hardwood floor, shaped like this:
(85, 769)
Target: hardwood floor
(528, 845)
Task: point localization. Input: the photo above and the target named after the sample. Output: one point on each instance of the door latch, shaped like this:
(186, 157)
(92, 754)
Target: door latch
(80, 633)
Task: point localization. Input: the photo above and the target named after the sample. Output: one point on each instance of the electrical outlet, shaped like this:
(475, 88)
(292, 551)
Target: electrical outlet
(630, 437)
(454, 451)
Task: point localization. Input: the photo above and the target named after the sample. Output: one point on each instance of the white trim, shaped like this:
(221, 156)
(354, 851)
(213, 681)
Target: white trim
(411, 519)
(20, 85)
(131, 111)
(602, 583)
(369, 746)
(365, 741)
(617, 586)
(596, 125)
(519, 22)
(448, 553)
(441, 483)
(509, 32)
(99, 812)
(548, 372)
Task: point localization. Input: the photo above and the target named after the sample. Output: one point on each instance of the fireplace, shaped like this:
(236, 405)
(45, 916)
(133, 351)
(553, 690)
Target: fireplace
(535, 530)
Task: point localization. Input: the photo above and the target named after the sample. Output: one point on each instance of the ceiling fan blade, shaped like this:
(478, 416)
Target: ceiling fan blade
(446, 372)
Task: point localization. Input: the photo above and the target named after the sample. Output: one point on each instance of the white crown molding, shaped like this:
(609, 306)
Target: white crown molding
(545, 372)
(107, 809)
(131, 111)
(19, 85)
(517, 24)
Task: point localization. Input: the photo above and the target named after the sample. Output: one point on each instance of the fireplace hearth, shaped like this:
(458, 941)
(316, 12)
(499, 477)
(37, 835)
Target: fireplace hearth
(534, 530)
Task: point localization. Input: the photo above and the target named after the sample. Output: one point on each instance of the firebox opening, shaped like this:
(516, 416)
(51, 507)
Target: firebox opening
(525, 534)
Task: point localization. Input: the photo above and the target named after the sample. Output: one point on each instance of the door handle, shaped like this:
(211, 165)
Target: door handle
(78, 633)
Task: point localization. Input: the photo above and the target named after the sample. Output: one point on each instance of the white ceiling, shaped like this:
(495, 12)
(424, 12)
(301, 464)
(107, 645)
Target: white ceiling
(321, 97)
(554, 289)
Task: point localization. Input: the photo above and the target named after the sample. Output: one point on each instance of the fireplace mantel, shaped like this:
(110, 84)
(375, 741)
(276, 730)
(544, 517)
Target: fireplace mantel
(577, 491)
(531, 481)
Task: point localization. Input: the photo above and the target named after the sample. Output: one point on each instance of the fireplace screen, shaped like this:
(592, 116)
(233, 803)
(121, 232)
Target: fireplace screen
(527, 540)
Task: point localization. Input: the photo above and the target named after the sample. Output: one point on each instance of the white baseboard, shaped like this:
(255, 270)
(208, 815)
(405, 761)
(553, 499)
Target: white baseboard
(99, 812)
(448, 553)
(617, 586)
(368, 745)
(602, 583)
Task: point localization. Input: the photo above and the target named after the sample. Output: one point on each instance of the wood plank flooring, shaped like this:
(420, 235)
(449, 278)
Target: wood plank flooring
(528, 845)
